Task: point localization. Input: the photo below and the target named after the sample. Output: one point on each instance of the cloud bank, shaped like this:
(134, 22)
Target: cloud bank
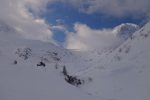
(24, 16)
(16, 13)
(85, 38)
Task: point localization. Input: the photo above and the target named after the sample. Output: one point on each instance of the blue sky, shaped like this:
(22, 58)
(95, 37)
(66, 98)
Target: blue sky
(68, 16)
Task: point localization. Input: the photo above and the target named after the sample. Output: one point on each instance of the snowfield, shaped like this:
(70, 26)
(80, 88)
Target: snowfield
(22, 79)
(123, 74)
(32, 70)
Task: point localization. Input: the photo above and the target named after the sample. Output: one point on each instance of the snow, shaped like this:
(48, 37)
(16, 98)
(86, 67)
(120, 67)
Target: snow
(117, 74)
(27, 81)
(123, 74)
(125, 30)
(22, 83)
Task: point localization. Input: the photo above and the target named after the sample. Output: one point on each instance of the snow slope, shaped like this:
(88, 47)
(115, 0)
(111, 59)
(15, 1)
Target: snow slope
(123, 74)
(22, 79)
(120, 74)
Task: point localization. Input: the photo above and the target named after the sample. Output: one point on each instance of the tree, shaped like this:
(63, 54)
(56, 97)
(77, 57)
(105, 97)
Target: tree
(15, 62)
(65, 71)
(73, 80)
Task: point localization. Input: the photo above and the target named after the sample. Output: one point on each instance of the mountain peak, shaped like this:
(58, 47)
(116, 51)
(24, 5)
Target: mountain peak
(125, 30)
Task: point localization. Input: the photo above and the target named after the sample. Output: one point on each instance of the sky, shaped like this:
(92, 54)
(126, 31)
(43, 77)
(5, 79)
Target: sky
(73, 24)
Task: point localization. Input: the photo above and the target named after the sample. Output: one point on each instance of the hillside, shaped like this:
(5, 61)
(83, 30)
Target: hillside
(23, 78)
(123, 74)
(32, 70)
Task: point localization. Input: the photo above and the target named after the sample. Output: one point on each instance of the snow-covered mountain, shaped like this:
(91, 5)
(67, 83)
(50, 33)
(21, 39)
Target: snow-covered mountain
(125, 30)
(123, 74)
(34, 70)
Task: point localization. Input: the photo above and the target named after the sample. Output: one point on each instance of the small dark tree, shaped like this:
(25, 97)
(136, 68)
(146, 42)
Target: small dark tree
(15, 62)
(145, 35)
(56, 66)
(73, 80)
(120, 50)
(65, 71)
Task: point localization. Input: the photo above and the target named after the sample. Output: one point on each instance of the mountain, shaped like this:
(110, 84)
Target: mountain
(125, 30)
(32, 70)
(36, 70)
(122, 74)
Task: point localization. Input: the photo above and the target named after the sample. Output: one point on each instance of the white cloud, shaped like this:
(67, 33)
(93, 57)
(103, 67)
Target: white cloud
(85, 38)
(15, 13)
(59, 27)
